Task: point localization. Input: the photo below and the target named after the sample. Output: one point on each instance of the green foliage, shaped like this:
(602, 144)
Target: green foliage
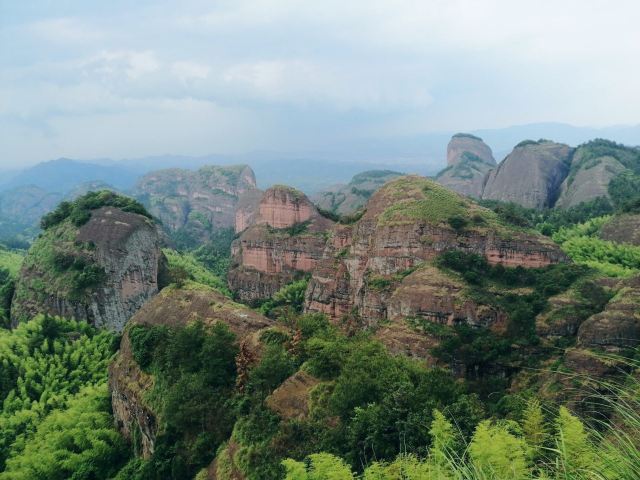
(320, 466)
(185, 266)
(624, 190)
(216, 253)
(457, 222)
(292, 231)
(10, 262)
(194, 374)
(45, 362)
(581, 243)
(289, 299)
(76, 442)
(79, 210)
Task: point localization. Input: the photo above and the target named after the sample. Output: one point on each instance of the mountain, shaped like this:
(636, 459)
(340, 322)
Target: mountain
(469, 160)
(194, 205)
(283, 244)
(98, 260)
(346, 199)
(64, 174)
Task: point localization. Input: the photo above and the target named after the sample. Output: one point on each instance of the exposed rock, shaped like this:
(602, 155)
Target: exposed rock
(618, 326)
(102, 272)
(469, 160)
(588, 180)
(247, 210)
(174, 307)
(291, 399)
(364, 266)
(286, 241)
(194, 204)
(347, 199)
(623, 228)
(531, 174)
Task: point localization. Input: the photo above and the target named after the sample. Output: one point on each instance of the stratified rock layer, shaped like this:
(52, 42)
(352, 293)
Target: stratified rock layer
(366, 267)
(469, 160)
(124, 246)
(531, 175)
(286, 241)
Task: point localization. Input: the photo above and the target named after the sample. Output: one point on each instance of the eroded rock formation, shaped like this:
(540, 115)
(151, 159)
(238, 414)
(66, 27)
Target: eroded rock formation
(469, 160)
(194, 204)
(173, 307)
(531, 174)
(286, 240)
(101, 272)
(367, 269)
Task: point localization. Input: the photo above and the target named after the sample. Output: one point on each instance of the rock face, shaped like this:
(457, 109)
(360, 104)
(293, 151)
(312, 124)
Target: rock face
(588, 180)
(618, 326)
(173, 307)
(286, 241)
(531, 174)
(102, 272)
(192, 205)
(469, 160)
(366, 270)
(347, 199)
(622, 229)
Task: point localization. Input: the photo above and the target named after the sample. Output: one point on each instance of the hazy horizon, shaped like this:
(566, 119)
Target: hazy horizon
(364, 80)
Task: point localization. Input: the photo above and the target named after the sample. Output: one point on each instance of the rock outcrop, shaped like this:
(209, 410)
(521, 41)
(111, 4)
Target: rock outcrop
(172, 307)
(194, 204)
(469, 160)
(347, 199)
(588, 180)
(530, 175)
(366, 271)
(623, 228)
(286, 241)
(101, 272)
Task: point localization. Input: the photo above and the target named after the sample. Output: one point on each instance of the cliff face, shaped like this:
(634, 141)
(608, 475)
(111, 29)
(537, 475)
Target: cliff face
(101, 272)
(588, 180)
(623, 228)
(531, 175)
(192, 205)
(347, 199)
(367, 269)
(172, 307)
(469, 160)
(286, 241)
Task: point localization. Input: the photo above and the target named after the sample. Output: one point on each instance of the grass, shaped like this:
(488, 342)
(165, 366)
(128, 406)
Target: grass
(11, 261)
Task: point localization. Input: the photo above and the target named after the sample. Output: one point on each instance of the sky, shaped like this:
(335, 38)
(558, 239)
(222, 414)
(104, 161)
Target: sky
(123, 79)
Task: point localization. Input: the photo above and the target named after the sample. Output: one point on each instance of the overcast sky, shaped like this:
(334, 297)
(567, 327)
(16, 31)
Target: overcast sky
(121, 78)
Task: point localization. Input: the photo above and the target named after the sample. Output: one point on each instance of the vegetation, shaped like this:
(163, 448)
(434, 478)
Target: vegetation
(194, 375)
(79, 210)
(215, 254)
(185, 266)
(10, 262)
(612, 259)
(286, 301)
(52, 371)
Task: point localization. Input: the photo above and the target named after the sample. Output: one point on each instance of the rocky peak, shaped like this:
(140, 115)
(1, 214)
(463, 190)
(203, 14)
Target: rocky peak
(285, 241)
(173, 307)
(101, 271)
(283, 207)
(469, 160)
(464, 145)
(194, 204)
(408, 222)
(344, 199)
(530, 175)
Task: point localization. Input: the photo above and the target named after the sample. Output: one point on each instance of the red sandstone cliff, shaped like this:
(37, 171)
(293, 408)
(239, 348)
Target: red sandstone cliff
(366, 270)
(286, 240)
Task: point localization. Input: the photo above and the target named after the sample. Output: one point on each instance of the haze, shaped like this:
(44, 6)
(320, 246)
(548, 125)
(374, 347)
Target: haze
(123, 79)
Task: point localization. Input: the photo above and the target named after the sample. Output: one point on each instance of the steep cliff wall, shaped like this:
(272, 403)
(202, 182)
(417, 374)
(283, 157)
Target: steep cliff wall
(531, 174)
(367, 267)
(192, 205)
(101, 272)
(286, 241)
(469, 160)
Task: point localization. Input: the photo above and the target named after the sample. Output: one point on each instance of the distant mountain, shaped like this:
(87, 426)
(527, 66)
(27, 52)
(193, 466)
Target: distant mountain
(63, 175)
